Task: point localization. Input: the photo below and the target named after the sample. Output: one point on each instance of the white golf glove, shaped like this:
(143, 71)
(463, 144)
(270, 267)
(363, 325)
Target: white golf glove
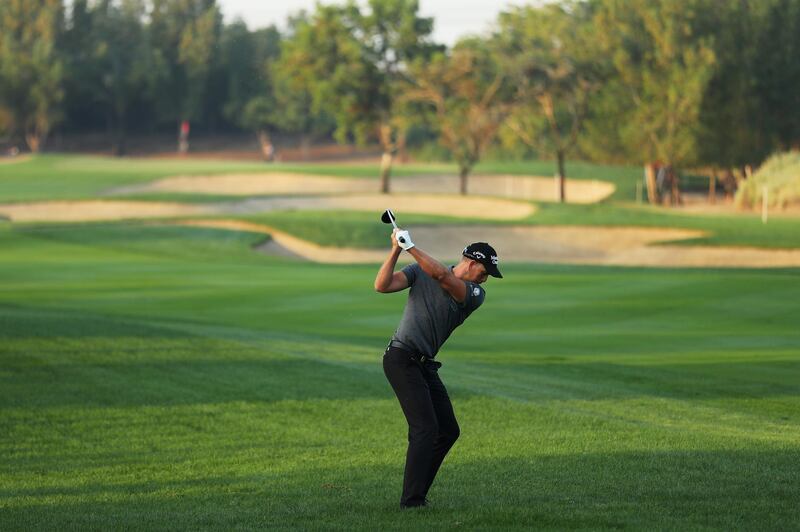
(403, 238)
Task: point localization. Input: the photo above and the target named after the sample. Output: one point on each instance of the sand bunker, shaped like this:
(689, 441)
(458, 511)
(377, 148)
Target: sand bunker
(14, 159)
(468, 206)
(518, 187)
(619, 246)
(97, 210)
(610, 246)
(528, 188)
(286, 245)
(254, 184)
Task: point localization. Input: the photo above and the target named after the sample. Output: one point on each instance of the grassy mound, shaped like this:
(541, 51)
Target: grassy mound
(780, 175)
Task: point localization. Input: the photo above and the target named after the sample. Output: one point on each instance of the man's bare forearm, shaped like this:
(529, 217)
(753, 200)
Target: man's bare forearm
(429, 265)
(384, 278)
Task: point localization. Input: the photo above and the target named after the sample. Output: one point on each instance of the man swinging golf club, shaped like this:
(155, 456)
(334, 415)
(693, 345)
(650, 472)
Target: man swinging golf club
(440, 299)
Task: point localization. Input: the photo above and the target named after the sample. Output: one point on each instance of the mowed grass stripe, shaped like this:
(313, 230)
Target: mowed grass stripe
(177, 381)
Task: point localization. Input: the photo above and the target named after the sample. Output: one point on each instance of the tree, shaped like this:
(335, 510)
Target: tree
(294, 101)
(81, 71)
(31, 70)
(185, 35)
(663, 68)
(731, 129)
(776, 73)
(748, 107)
(555, 70)
(245, 61)
(354, 66)
(122, 63)
(466, 92)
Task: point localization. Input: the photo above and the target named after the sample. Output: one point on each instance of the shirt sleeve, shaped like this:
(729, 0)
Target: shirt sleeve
(411, 272)
(475, 296)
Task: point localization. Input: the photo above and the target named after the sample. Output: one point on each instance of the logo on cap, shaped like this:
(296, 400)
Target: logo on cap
(486, 255)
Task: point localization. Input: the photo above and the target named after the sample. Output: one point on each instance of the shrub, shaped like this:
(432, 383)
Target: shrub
(780, 174)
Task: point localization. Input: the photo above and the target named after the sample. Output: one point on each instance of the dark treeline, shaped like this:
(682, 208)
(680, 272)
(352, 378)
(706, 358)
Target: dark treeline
(674, 82)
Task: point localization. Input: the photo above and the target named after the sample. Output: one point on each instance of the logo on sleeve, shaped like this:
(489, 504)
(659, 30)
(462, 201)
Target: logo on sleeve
(476, 291)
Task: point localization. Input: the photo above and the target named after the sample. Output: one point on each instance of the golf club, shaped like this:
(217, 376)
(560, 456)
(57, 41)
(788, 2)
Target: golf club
(388, 218)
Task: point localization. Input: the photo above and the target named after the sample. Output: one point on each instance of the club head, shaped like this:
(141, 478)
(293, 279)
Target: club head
(388, 217)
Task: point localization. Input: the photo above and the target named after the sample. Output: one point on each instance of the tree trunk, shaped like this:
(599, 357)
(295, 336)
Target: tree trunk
(463, 174)
(385, 131)
(562, 197)
(119, 142)
(119, 137)
(386, 170)
(712, 187)
(305, 147)
(35, 138)
(652, 187)
(675, 187)
(401, 149)
(267, 148)
(34, 141)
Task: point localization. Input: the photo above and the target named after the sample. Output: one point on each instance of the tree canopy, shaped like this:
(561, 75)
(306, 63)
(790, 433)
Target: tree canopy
(31, 70)
(697, 82)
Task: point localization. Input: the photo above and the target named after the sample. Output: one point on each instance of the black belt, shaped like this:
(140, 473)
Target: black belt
(400, 345)
(416, 357)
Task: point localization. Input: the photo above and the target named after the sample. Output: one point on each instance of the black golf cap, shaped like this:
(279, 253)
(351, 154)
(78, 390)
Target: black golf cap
(486, 255)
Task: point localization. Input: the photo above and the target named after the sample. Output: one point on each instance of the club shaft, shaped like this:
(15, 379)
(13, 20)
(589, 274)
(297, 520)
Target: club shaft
(391, 219)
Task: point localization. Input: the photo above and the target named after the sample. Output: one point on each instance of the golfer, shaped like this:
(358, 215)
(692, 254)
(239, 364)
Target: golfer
(440, 299)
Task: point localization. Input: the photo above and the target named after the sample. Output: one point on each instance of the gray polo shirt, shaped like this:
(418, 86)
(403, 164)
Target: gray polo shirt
(431, 313)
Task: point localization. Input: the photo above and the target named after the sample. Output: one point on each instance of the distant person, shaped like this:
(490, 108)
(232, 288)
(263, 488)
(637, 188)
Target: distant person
(440, 299)
(183, 137)
(729, 184)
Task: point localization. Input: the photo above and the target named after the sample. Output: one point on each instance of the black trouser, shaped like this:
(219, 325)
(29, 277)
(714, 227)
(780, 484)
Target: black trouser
(432, 425)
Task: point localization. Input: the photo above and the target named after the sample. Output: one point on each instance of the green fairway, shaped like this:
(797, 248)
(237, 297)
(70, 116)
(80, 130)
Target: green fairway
(170, 378)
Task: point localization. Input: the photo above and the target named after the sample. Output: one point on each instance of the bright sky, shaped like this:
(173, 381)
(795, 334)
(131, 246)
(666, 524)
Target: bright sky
(452, 18)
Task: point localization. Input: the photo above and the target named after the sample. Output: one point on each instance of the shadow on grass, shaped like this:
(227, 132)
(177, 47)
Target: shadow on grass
(588, 380)
(227, 372)
(167, 372)
(722, 490)
(188, 382)
(63, 358)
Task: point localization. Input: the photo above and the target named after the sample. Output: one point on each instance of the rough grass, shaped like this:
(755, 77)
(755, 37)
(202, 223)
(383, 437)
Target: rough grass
(167, 378)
